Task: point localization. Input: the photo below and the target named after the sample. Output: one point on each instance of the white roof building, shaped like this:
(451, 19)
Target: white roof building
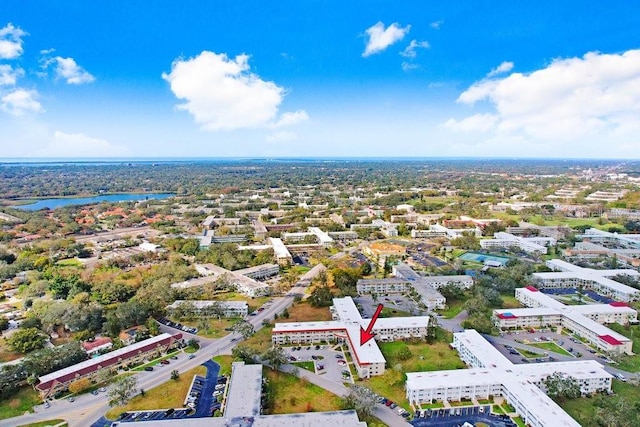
(491, 374)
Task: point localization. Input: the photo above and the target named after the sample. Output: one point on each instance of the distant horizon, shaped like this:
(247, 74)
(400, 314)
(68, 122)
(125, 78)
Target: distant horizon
(289, 158)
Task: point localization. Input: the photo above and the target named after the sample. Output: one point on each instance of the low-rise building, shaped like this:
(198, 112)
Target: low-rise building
(201, 307)
(260, 272)
(527, 244)
(584, 320)
(98, 345)
(129, 355)
(567, 275)
(491, 374)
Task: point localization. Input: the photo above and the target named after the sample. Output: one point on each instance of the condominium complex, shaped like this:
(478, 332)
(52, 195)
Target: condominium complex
(585, 321)
(201, 307)
(212, 273)
(567, 275)
(491, 374)
(526, 244)
(282, 254)
(345, 327)
(131, 354)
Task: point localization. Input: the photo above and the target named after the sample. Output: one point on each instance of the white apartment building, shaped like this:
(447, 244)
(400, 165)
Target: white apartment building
(583, 320)
(345, 328)
(527, 244)
(567, 275)
(199, 307)
(212, 272)
(260, 272)
(426, 286)
(491, 374)
(282, 254)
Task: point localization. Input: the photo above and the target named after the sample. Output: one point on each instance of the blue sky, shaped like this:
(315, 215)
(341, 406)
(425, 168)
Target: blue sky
(319, 78)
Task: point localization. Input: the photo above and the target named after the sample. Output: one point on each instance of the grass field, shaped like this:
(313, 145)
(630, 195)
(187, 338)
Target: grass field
(69, 262)
(453, 309)
(304, 312)
(261, 340)
(254, 303)
(168, 395)
(584, 410)
(24, 399)
(48, 423)
(291, 395)
(309, 366)
(527, 353)
(509, 301)
(216, 328)
(156, 361)
(629, 363)
(550, 346)
(424, 357)
(225, 363)
(392, 312)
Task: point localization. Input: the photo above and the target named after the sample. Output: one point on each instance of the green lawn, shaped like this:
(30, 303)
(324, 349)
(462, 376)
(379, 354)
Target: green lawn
(527, 353)
(69, 262)
(392, 312)
(156, 361)
(225, 363)
(291, 394)
(629, 363)
(424, 357)
(519, 421)
(309, 366)
(509, 301)
(550, 346)
(453, 309)
(584, 410)
(214, 328)
(496, 409)
(23, 401)
(168, 395)
(48, 423)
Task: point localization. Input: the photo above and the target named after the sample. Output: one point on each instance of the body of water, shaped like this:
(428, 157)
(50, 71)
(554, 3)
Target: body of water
(71, 201)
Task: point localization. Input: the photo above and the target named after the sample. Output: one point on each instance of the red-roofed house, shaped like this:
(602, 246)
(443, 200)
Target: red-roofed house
(97, 345)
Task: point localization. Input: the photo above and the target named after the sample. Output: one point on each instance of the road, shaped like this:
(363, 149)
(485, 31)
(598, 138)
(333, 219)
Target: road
(88, 408)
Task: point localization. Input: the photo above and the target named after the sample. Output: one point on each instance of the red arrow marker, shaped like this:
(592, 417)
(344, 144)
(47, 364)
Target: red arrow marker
(365, 336)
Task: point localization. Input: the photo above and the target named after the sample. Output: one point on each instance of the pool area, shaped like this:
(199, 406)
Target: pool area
(483, 258)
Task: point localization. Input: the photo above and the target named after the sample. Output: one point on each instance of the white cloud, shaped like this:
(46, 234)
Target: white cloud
(282, 136)
(11, 41)
(222, 94)
(477, 123)
(436, 25)
(381, 38)
(410, 51)
(21, 101)
(80, 145)
(289, 119)
(408, 66)
(590, 100)
(9, 75)
(505, 67)
(68, 70)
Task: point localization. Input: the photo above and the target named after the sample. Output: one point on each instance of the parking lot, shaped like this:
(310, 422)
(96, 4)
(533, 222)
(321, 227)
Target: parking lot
(204, 405)
(333, 362)
(455, 417)
(392, 302)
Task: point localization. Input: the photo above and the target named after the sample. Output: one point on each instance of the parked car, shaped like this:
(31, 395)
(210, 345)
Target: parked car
(149, 368)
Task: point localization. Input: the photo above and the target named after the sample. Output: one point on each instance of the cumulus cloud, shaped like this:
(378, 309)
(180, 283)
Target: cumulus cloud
(21, 101)
(64, 144)
(9, 75)
(410, 50)
(408, 66)
(222, 94)
(68, 70)
(593, 98)
(436, 25)
(505, 67)
(11, 41)
(289, 119)
(380, 38)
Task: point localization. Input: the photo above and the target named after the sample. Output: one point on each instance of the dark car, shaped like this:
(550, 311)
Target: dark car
(149, 368)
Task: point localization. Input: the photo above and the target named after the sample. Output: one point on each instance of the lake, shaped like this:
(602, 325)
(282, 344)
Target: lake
(71, 201)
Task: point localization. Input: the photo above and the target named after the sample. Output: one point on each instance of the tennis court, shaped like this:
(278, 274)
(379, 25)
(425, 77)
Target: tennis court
(483, 258)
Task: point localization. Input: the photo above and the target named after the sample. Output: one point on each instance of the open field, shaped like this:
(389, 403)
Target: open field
(629, 363)
(584, 410)
(261, 340)
(24, 399)
(304, 312)
(453, 309)
(225, 363)
(216, 328)
(168, 395)
(424, 357)
(291, 394)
